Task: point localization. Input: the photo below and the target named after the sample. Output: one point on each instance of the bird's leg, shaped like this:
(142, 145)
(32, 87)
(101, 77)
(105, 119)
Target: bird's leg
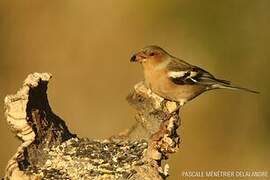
(149, 88)
(179, 105)
(182, 103)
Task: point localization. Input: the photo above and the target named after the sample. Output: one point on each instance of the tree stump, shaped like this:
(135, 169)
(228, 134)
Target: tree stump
(50, 151)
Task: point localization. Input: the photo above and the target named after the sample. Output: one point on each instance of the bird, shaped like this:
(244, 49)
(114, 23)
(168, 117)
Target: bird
(175, 79)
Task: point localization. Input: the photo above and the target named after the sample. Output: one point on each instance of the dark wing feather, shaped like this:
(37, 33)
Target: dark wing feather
(180, 72)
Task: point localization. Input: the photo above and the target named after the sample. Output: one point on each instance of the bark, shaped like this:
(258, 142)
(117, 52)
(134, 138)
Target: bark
(50, 151)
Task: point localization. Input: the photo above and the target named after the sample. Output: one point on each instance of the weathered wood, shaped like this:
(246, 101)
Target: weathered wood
(50, 151)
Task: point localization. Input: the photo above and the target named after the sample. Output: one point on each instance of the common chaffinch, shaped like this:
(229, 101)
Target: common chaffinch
(175, 79)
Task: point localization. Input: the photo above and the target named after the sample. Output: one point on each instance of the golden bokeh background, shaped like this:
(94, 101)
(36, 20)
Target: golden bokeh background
(86, 45)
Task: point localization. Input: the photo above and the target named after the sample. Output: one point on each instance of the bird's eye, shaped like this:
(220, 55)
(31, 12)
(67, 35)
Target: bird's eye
(152, 54)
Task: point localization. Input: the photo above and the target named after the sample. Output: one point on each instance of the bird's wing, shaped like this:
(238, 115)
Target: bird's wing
(180, 72)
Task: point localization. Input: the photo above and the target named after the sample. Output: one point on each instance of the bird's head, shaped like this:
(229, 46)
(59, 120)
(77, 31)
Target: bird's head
(150, 53)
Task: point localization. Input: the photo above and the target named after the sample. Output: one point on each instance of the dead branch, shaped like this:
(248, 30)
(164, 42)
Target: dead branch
(50, 151)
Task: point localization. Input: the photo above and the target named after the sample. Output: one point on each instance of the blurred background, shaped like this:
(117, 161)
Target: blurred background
(86, 45)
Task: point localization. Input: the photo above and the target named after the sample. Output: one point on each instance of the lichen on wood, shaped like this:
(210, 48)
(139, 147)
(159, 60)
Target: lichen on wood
(50, 151)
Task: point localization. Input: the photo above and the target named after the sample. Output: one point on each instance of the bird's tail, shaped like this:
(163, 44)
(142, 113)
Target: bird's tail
(227, 85)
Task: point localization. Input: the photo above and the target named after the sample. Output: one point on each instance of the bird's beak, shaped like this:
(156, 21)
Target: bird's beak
(138, 57)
